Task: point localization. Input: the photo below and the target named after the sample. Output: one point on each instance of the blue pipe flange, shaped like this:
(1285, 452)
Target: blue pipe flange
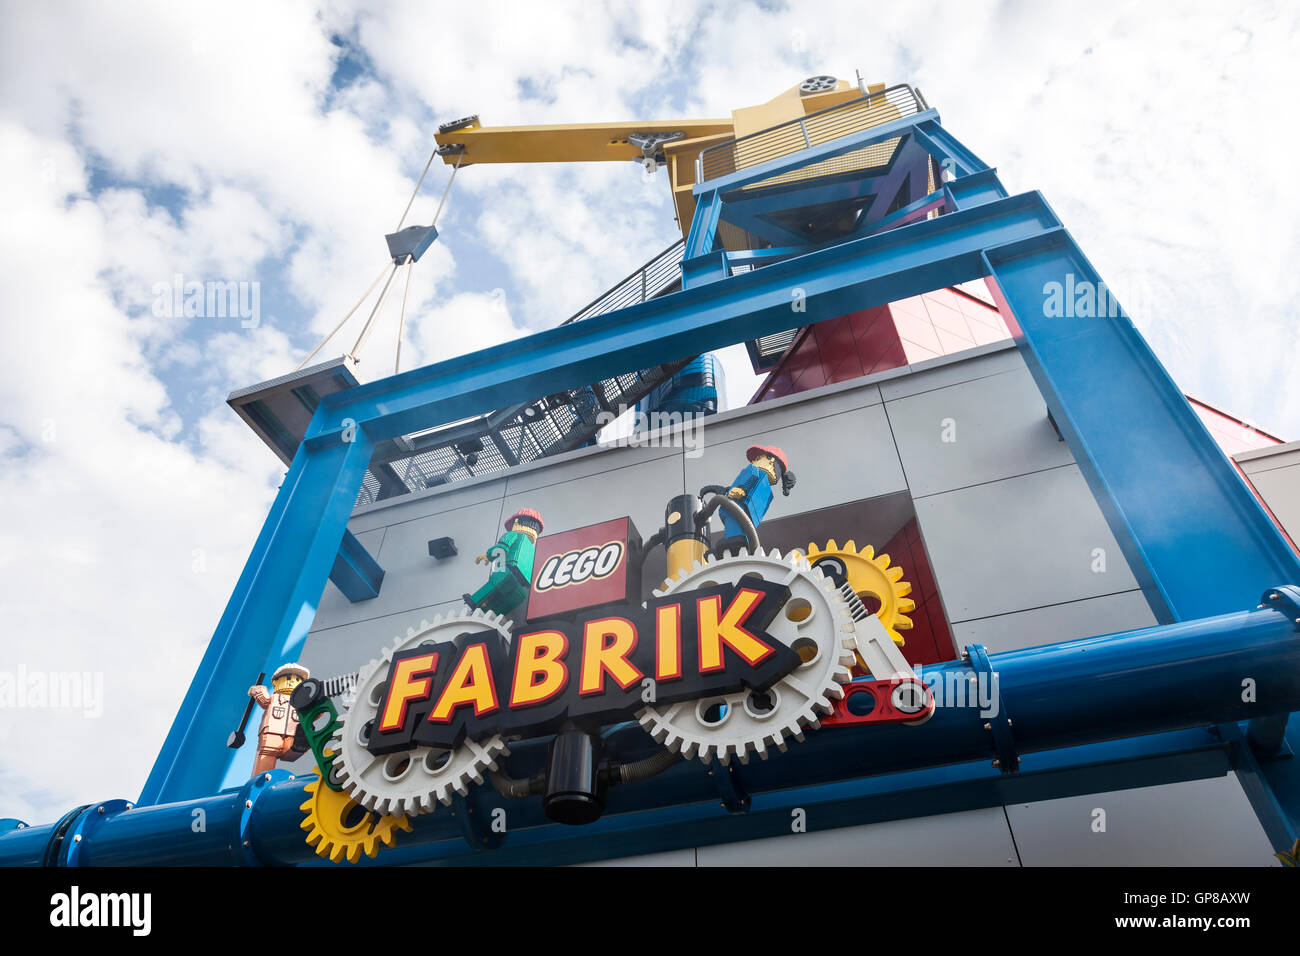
(79, 834)
(1285, 599)
(52, 855)
(249, 794)
(733, 795)
(11, 823)
(999, 723)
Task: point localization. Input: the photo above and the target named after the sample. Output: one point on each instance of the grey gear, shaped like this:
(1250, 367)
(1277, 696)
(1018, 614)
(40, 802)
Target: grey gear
(416, 780)
(816, 621)
(818, 84)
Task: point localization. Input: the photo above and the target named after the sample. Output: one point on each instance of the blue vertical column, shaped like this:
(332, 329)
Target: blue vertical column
(1193, 533)
(702, 263)
(1197, 539)
(268, 615)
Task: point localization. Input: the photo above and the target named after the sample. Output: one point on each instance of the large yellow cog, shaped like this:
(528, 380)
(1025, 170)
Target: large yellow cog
(340, 829)
(871, 576)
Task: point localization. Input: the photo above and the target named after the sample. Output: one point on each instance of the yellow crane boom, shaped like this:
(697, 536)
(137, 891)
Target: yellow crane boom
(671, 143)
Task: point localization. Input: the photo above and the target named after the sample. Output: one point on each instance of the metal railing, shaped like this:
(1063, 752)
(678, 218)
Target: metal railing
(652, 279)
(805, 132)
(521, 433)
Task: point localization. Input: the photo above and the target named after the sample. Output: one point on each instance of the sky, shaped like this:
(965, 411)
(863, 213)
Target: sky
(277, 143)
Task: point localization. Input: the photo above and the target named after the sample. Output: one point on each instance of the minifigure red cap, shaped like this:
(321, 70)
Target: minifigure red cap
(756, 450)
(525, 513)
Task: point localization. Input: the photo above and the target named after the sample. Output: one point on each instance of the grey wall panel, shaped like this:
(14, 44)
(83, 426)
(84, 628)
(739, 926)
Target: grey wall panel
(640, 490)
(1198, 823)
(969, 838)
(973, 432)
(1060, 622)
(412, 579)
(565, 468)
(843, 457)
(343, 649)
(953, 369)
(418, 504)
(1266, 459)
(1280, 489)
(792, 409)
(1020, 543)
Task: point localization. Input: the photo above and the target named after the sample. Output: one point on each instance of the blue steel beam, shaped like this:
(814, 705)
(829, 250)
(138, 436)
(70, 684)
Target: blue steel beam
(908, 214)
(749, 212)
(974, 190)
(1195, 536)
(356, 573)
(268, 615)
(764, 229)
(704, 226)
(748, 208)
(826, 283)
(953, 157)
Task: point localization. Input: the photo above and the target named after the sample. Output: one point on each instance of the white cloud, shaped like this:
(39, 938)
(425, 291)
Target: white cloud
(120, 544)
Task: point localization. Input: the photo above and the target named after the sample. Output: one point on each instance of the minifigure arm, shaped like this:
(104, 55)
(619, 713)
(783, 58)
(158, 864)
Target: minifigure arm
(517, 548)
(746, 481)
(260, 694)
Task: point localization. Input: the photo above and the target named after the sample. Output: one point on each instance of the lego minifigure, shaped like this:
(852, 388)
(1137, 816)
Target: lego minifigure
(752, 490)
(511, 563)
(275, 736)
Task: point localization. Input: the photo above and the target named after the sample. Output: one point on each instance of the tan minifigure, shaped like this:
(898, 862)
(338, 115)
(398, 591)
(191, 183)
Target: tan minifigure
(279, 719)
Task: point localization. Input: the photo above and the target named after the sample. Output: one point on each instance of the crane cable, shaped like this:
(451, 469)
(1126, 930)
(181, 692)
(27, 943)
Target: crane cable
(334, 331)
(365, 329)
(410, 265)
(420, 183)
(401, 319)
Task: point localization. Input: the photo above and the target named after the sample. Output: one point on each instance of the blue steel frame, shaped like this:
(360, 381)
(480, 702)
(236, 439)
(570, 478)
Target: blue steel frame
(1195, 535)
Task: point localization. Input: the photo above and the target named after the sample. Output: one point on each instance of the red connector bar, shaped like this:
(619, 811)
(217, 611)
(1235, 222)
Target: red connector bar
(905, 700)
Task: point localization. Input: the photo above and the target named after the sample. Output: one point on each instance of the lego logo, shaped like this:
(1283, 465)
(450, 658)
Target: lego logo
(575, 567)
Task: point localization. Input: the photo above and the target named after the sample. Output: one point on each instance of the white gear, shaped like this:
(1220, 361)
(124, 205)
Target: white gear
(416, 780)
(816, 622)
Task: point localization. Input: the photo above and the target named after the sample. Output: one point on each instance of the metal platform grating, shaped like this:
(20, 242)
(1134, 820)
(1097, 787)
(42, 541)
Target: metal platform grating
(549, 425)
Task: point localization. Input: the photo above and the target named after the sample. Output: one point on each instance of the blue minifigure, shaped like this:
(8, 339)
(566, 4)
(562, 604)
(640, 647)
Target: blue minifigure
(752, 490)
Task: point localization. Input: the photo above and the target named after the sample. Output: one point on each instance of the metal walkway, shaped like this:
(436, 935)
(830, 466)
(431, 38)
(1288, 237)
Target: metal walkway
(549, 425)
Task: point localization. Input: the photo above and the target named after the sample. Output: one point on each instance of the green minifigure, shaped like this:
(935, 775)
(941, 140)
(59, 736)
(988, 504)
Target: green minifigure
(511, 561)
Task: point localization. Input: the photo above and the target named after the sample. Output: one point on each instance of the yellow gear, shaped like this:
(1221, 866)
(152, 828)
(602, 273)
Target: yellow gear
(329, 831)
(870, 575)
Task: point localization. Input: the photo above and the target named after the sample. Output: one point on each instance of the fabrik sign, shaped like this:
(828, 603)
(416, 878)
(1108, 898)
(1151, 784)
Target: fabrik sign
(596, 667)
(587, 567)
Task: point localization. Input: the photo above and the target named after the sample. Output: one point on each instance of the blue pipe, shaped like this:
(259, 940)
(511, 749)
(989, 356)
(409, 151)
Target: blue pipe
(1086, 692)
